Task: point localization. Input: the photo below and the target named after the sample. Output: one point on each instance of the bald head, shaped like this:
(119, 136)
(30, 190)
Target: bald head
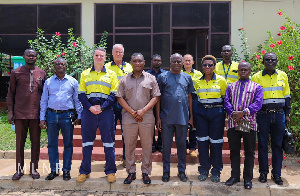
(244, 70)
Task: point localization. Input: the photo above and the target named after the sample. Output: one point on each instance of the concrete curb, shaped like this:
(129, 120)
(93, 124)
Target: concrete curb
(157, 186)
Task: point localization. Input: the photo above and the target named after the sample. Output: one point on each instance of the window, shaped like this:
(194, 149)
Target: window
(19, 23)
(198, 28)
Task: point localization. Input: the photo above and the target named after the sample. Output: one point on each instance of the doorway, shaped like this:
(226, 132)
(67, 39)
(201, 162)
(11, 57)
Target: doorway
(191, 41)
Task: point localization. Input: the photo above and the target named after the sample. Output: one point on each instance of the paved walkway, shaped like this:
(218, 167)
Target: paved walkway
(97, 184)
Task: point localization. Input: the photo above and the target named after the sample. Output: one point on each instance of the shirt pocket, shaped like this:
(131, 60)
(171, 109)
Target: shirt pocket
(146, 90)
(128, 92)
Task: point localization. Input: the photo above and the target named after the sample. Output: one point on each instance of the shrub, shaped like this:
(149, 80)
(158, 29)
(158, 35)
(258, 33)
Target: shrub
(75, 51)
(286, 45)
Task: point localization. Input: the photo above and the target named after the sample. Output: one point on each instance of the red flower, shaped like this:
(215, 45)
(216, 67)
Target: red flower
(290, 67)
(272, 45)
(57, 33)
(280, 13)
(283, 156)
(259, 65)
(241, 28)
(263, 52)
(291, 57)
(243, 61)
(258, 57)
(282, 28)
(63, 54)
(74, 44)
(58, 55)
(279, 34)
(279, 42)
(298, 161)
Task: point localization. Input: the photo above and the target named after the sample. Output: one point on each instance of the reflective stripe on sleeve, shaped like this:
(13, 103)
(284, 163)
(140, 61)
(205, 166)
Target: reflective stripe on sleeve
(278, 88)
(98, 83)
(100, 95)
(266, 101)
(209, 90)
(218, 100)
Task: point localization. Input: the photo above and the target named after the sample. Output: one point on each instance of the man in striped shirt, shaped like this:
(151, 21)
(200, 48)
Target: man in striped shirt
(242, 100)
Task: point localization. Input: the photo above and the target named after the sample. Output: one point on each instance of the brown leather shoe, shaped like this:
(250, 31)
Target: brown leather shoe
(34, 174)
(17, 176)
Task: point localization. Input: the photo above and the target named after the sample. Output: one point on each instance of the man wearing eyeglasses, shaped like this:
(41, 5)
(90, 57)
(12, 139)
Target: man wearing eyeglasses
(23, 101)
(271, 118)
(227, 68)
(121, 68)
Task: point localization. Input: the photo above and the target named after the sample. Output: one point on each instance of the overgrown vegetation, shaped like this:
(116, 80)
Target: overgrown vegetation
(286, 45)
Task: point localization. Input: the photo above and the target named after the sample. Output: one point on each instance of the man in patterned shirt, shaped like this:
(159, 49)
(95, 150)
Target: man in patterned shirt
(243, 99)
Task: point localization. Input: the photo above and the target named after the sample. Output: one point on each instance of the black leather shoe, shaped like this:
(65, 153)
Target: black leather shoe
(160, 149)
(34, 174)
(248, 184)
(182, 176)
(131, 177)
(231, 181)
(153, 149)
(277, 179)
(262, 178)
(146, 178)
(66, 175)
(166, 177)
(17, 176)
(52, 175)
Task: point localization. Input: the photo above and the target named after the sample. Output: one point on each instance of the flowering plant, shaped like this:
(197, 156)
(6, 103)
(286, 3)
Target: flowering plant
(78, 56)
(286, 45)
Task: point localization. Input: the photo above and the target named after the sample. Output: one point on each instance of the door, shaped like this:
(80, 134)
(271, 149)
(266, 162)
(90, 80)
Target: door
(191, 41)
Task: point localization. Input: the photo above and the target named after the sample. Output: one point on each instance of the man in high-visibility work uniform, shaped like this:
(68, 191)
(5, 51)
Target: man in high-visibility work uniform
(188, 62)
(227, 68)
(97, 90)
(271, 118)
(121, 68)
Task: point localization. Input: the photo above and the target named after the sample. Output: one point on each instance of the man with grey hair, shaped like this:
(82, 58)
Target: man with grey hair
(58, 103)
(172, 112)
(121, 68)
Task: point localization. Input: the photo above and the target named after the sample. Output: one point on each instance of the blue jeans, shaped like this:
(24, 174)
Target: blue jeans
(270, 124)
(56, 122)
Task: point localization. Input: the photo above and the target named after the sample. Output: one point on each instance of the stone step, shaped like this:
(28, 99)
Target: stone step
(98, 155)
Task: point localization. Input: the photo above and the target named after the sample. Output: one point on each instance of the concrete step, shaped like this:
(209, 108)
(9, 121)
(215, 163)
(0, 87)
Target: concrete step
(98, 155)
(77, 142)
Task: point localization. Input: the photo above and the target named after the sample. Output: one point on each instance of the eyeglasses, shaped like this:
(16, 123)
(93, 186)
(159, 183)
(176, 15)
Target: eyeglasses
(207, 65)
(273, 60)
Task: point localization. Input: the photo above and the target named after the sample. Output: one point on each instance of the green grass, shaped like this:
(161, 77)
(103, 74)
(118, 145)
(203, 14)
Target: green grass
(8, 136)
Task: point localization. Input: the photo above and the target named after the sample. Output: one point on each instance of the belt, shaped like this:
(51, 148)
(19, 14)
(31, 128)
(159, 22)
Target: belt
(271, 110)
(212, 106)
(60, 111)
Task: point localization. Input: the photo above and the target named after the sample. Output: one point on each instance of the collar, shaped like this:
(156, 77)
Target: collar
(264, 72)
(244, 81)
(214, 77)
(113, 63)
(103, 69)
(65, 77)
(159, 71)
(132, 75)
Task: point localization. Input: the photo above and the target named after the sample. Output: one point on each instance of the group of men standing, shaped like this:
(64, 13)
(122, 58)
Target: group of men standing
(182, 100)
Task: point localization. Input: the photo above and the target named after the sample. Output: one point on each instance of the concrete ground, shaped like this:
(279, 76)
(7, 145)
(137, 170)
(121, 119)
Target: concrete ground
(97, 184)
